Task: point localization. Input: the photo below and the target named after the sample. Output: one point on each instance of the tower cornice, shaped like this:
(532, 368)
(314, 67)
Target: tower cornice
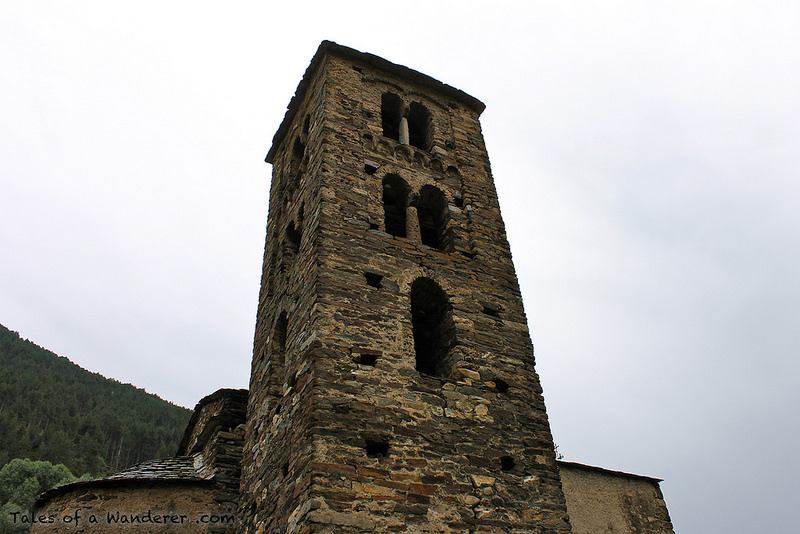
(329, 47)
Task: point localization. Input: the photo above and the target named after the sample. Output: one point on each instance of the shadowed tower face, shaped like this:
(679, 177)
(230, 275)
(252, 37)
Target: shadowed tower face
(393, 385)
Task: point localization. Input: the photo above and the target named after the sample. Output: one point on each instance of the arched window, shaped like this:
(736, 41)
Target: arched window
(419, 126)
(433, 326)
(432, 212)
(395, 202)
(391, 113)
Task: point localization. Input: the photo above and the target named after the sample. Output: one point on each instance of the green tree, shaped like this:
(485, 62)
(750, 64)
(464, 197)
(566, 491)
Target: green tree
(21, 481)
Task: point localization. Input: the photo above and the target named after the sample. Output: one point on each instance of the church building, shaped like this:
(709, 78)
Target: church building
(392, 386)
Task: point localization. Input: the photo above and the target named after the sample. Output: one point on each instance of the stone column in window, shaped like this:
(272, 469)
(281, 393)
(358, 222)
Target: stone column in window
(412, 224)
(403, 130)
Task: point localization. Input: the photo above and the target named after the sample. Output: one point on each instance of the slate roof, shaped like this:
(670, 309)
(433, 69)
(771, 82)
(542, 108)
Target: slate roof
(176, 470)
(603, 470)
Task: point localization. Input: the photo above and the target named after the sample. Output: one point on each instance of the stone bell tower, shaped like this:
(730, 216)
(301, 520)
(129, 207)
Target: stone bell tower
(393, 385)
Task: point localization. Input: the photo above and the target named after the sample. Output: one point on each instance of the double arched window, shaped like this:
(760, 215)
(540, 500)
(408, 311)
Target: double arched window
(410, 125)
(431, 209)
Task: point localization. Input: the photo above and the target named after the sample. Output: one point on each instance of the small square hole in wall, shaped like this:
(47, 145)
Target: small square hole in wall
(500, 385)
(458, 201)
(376, 447)
(373, 226)
(373, 279)
(367, 359)
(340, 408)
(491, 311)
(366, 356)
(507, 463)
(371, 166)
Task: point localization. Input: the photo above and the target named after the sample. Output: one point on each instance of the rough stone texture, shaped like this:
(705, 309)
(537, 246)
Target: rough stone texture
(345, 434)
(600, 501)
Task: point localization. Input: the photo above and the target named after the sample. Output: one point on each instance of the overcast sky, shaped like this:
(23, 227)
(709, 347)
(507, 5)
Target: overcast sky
(645, 154)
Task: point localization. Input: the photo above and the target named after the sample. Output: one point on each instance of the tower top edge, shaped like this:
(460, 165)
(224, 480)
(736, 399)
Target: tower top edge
(377, 62)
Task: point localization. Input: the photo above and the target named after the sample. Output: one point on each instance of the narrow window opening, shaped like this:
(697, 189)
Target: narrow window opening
(433, 327)
(419, 126)
(500, 385)
(458, 201)
(370, 168)
(373, 226)
(432, 212)
(395, 202)
(507, 463)
(306, 124)
(376, 447)
(391, 113)
(298, 152)
(373, 279)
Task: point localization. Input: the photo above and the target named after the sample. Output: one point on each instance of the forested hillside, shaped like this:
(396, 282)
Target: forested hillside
(51, 409)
